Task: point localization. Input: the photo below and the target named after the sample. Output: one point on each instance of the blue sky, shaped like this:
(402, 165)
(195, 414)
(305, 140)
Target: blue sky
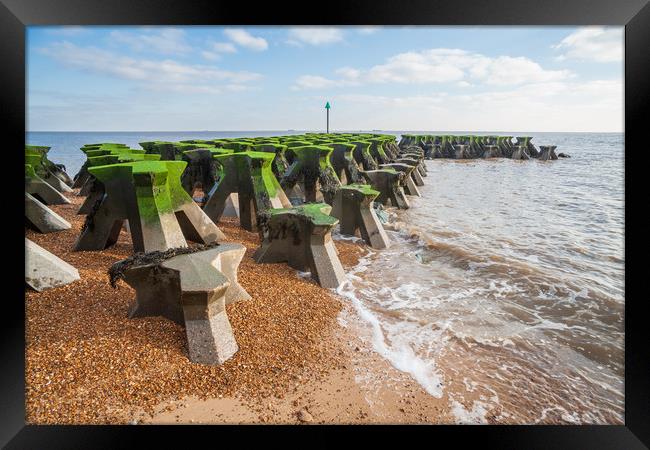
(278, 78)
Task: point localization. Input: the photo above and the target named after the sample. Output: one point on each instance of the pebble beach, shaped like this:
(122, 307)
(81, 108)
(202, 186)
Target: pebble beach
(298, 362)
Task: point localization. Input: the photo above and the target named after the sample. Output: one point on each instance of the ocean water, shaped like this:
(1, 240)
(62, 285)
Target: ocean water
(503, 290)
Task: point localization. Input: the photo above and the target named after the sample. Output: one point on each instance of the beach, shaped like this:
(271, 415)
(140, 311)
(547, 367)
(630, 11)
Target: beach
(88, 363)
(499, 300)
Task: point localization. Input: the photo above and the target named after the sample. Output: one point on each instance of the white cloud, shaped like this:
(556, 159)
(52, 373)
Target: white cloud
(67, 31)
(215, 49)
(312, 82)
(545, 106)
(368, 30)
(441, 65)
(165, 41)
(314, 35)
(593, 44)
(349, 73)
(244, 39)
(210, 56)
(160, 75)
(224, 47)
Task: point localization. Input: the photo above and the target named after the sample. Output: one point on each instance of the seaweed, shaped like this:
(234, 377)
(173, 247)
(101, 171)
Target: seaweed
(157, 257)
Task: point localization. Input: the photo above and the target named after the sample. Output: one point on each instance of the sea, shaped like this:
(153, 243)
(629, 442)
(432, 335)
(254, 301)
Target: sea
(503, 289)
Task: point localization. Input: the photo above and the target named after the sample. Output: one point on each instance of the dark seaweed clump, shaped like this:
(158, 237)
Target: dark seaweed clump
(157, 257)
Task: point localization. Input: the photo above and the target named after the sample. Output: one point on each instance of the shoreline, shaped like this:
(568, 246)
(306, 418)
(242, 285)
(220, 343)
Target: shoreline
(301, 355)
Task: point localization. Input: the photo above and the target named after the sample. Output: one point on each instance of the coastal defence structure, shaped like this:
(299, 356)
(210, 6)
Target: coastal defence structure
(295, 191)
(478, 146)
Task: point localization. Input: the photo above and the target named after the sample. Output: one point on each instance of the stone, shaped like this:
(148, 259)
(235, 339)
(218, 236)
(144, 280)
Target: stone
(353, 206)
(191, 289)
(250, 176)
(53, 174)
(149, 195)
(505, 145)
(301, 237)
(43, 270)
(42, 218)
(304, 416)
(38, 188)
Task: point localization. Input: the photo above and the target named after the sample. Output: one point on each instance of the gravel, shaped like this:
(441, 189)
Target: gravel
(86, 362)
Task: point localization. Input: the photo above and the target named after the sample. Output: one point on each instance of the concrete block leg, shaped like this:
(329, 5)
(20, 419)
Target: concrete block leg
(353, 206)
(101, 230)
(196, 225)
(57, 183)
(38, 188)
(210, 339)
(95, 195)
(43, 270)
(43, 218)
(326, 268)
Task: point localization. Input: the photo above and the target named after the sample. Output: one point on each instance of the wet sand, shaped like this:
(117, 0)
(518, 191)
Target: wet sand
(303, 355)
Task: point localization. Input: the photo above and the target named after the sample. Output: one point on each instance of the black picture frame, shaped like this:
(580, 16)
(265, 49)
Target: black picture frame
(15, 15)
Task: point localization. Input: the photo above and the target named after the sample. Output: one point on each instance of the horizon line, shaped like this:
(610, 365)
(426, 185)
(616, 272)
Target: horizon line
(311, 131)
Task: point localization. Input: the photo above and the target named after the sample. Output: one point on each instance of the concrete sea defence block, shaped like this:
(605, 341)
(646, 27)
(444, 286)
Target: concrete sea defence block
(301, 237)
(519, 152)
(149, 195)
(389, 183)
(190, 287)
(344, 164)
(547, 152)
(410, 188)
(353, 206)
(43, 270)
(311, 165)
(362, 156)
(250, 176)
(44, 192)
(42, 218)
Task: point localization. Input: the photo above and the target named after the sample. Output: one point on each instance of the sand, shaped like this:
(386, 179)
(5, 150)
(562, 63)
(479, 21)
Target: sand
(303, 354)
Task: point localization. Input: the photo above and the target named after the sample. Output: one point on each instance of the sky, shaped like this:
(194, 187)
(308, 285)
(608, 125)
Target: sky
(196, 78)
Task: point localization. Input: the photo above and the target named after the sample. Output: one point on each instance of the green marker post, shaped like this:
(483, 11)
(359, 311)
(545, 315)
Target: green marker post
(327, 108)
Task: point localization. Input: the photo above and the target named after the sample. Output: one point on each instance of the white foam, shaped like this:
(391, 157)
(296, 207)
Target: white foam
(399, 352)
(474, 416)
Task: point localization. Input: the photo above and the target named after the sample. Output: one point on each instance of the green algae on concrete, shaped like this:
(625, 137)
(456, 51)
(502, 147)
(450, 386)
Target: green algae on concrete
(149, 195)
(362, 155)
(311, 164)
(250, 176)
(318, 213)
(301, 237)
